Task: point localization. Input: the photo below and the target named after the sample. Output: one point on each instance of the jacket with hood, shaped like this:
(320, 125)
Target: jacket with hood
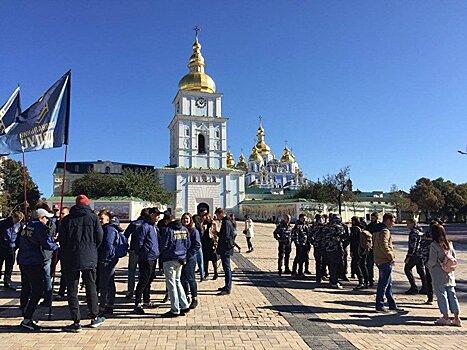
(383, 251)
(146, 241)
(9, 233)
(175, 241)
(80, 236)
(131, 229)
(106, 251)
(415, 237)
(34, 241)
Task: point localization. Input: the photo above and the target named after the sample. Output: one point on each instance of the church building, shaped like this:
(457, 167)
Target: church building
(198, 175)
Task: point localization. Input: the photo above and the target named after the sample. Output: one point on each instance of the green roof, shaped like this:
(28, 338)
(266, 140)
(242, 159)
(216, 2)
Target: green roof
(278, 200)
(114, 198)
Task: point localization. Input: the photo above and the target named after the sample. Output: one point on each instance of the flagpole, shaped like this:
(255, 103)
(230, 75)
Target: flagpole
(25, 191)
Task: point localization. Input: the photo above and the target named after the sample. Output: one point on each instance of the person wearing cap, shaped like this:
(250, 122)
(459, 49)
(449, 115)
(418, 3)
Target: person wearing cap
(81, 235)
(33, 242)
(147, 250)
(9, 230)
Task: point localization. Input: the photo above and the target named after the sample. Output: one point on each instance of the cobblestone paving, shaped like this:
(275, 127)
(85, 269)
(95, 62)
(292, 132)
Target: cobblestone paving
(264, 311)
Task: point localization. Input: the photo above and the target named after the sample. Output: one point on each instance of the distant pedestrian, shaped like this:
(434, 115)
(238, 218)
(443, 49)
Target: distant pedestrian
(249, 233)
(9, 230)
(33, 242)
(283, 235)
(234, 223)
(80, 237)
(225, 248)
(414, 259)
(442, 265)
(385, 257)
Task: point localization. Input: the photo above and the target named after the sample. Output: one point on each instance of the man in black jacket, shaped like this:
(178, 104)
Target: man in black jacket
(225, 246)
(80, 236)
(9, 230)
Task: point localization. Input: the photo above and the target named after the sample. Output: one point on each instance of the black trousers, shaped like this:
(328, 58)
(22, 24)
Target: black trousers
(89, 279)
(284, 255)
(7, 255)
(358, 263)
(32, 288)
(320, 260)
(415, 261)
(301, 256)
(248, 243)
(370, 265)
(429, 284)
(335, 265)
(147, 270)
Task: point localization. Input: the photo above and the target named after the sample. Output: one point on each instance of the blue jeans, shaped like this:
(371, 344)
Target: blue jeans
(188, 277)
(173, 271)
(132, 265)
(47, 281)
(107, 288)
(200, 261)
(225, 259)
(385, 287)
(447, 295)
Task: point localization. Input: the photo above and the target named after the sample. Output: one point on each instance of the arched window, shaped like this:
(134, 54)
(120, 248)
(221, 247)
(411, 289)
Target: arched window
(107, 170)
(201, 144)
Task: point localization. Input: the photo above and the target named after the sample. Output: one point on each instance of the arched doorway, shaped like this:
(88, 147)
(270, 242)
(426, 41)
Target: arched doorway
(201, 144)
(202, 207)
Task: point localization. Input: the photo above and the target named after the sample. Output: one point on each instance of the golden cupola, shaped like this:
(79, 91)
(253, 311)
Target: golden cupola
(254, 156)
(230, 160)
(241, 163)
(287, 156)
(261, 146)
(197, 79)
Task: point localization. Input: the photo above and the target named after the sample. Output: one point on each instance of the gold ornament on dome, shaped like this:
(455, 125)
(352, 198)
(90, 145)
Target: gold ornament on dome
(254, 156)
(230, 160)
(241, 163)
(287, 156)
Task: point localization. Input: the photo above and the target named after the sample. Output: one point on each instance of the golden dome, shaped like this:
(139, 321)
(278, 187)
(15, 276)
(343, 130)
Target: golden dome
(287, 156)
(241, 163)
(230, 160)
(262, 147)
(254, 156)
(197, 79)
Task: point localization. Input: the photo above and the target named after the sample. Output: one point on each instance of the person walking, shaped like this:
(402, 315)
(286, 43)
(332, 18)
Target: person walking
(33, 242)
(107, 260)
(146, 247)
(188, 277)
(384, 257)
(175, 242)
(414, 259)
(234, 223)
(9, 230)
(81, 235)
(225, 248)
(283, 235)
(132, 256)
(249, 233)
(442, 264)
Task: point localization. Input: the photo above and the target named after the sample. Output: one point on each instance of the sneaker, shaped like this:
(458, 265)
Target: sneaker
(429, 302)
(345, 279)
(360, 286)
(456, 322)
(220, 289)
(397, 310)
(442, 322)
(149, 305)
(194, 304)
(185, 311)
(138, 310)
(170, 314)
(30, 325)
(381, 311)
(411, 291)
(224, 292)
(337, 286)
(166, 299)
(99, 320)
(73, 328)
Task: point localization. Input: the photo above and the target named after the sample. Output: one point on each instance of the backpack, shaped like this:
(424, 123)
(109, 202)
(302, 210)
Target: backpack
(449, 262)
(121, 245)
(366, 240)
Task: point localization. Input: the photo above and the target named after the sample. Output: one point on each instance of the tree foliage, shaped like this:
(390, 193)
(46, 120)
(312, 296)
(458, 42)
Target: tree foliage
(11, 186)
(133, 183)
(401, 201)
(427, 197)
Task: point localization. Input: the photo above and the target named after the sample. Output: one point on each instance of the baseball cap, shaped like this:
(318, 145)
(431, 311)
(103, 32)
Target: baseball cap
(42, 212)
(155, 211)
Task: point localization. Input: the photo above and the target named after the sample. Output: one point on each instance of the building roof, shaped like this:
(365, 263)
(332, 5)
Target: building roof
(114, 198)
(85, 167)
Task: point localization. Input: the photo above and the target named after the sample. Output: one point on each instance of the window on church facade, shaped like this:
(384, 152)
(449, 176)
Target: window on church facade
(187, 131)
(218, 133)
(201, 144)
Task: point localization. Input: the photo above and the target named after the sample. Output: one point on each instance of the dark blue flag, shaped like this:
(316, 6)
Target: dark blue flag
(43, 125)
(10, 111)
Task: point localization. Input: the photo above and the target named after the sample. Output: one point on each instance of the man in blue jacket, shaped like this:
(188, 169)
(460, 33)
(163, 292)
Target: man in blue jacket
(34, 241)
(225, 246)
(80, 236)
(9, 229)
(147, 249)
(174, 245)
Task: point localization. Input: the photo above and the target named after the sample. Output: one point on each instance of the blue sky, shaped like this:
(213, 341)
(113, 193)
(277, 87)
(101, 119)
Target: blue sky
(379, 86)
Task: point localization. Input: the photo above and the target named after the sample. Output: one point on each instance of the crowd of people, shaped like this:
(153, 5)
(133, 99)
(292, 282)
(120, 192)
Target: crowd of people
(88, 246)
(371, 245)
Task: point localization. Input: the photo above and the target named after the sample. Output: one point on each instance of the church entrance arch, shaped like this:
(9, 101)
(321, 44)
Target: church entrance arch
(202, 207)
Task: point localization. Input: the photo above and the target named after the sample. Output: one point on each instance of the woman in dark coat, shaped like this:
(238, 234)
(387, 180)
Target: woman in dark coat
(208, 243)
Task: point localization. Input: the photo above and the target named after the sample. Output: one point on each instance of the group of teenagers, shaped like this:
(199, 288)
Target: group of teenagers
(370, 244)
(89, 244)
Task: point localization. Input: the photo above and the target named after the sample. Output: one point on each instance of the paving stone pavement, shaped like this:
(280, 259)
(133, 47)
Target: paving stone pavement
(264, 311)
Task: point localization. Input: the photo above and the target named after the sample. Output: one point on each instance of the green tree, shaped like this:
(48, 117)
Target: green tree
(427, 197)
(397, 198)
(317, 191)
(144, 185)
(11, 186)
(453, 198)
(95, 185)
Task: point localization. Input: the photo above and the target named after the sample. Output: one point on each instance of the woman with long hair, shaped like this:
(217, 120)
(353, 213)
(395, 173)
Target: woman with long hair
(208, 243)
(188, 278)
(443, 282)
